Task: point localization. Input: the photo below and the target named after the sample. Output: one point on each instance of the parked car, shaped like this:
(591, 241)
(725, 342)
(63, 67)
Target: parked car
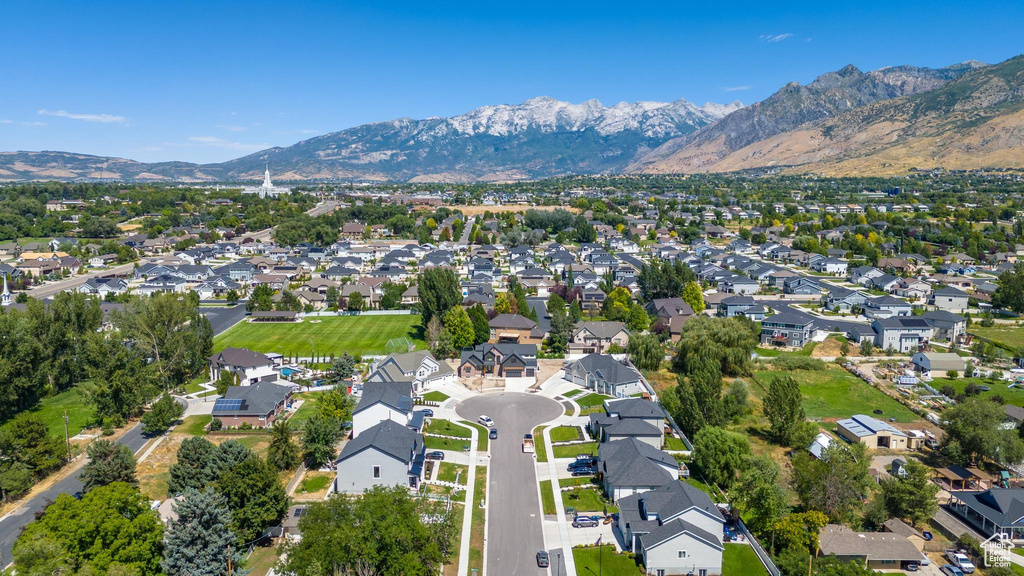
(542, 559)
(436, 455)
(576, 465)
(585, 459)
(486, 421)
(960, 560)
(494, 434)
(427, 413)
(581, 471)
(910, 566)
(951, 570)
(583, 522)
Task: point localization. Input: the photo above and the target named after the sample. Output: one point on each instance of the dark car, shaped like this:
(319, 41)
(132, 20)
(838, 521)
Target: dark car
(583, 471)
(427, 413)
(436, 455)
(542, 559)
(584, 522)
(585, 459)
(576, 465)
(494, 434)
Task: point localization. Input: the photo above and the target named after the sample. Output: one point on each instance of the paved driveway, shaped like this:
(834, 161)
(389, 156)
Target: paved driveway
(514, 531)
(223, 317)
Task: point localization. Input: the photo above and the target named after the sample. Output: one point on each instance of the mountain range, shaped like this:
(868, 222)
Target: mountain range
(847, 122)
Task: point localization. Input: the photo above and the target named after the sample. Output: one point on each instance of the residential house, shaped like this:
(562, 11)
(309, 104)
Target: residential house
(386, 454)
(502, 360)
(831, 266)
(788, 328)
(843, 299)
(597, 337)
(991, 512)
(874, 550)
(247, 366)
(886, 307)
(674, 529)
(741, 305)
(512, 328)
(946, 325)
(606, 375)
(629, 466)
(629, 418)
(257, 405)
(949, 299)
(420, 368)
(382, 401)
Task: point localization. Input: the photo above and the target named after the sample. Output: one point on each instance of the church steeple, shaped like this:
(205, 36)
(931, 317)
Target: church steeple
(266, 177)
(5, 297)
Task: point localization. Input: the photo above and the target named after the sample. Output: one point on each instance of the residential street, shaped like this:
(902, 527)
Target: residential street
(12, 524)
(514, 529)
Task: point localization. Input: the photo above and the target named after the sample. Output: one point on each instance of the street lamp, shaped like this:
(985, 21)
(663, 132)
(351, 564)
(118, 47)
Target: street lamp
(558, 564)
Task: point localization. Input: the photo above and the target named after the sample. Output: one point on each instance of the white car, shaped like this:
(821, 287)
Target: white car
(961, 561)
(486, 421)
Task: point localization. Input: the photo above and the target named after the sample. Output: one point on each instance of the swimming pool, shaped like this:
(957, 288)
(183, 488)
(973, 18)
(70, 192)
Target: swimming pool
(286, 372)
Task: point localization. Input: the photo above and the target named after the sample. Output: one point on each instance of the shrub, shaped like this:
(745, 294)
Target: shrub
(216, 425)
(798, 363)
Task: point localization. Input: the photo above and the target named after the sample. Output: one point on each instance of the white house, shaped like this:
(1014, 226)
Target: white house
(383, 401)
(248, 366)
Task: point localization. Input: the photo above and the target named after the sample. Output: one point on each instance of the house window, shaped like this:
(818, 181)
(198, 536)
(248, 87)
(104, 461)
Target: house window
(680, 554)
(661, 573)
(702, 572)
(376, 471)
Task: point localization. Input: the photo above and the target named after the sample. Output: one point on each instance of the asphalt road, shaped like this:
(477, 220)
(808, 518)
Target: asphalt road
(514, 530)
(223, 317)
(12, 524)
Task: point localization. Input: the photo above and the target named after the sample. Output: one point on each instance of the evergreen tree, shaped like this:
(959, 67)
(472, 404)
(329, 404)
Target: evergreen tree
(481, 328)
(784, 409)
(282, 453)
(194, 467)
(198, 540)
(108, 462)
(439, 290)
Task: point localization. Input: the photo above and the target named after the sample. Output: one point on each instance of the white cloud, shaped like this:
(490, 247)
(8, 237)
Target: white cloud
(6, 121)
(736, 88)
(100, 118)
(773, 38)
(216, 142)
(231, 127)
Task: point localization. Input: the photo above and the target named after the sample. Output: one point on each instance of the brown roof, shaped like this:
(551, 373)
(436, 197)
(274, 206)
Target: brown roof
(874, 546)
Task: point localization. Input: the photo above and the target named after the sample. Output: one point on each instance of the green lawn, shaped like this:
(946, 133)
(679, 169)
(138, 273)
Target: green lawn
(435, 396)
(332, 335)
(572, 393)
(1013, 395)
(194, 385)
(577, 481)
(673, 443)
(308, 408)
(741, 560)
(834, 393)
(572, 450)
(450, 471)
(776, 352)
(1012, 336)
(592, 399)
(435, 443)
(51, 410)
(547, 497)
(587, 500)
(261, 560)
(539, 446)
(478, 527)
(194, 425)
(314, 484)
(481, 434)
(565, 433)
(604, 561)
(447, 428)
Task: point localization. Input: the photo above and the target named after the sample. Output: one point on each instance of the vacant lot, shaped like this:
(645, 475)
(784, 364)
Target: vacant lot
(1012, 336)
(1013, 395)
(834, 393)
(332, 335)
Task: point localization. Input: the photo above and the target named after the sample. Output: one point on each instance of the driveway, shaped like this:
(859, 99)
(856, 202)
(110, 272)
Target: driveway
(514, 531)
(223, 317)
(12, 524)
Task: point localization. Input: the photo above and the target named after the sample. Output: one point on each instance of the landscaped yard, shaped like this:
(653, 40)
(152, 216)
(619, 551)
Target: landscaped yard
(326, 336)
(435, 396)
(591, 403)
(565, 434)
(1013, 395)
(834, 393)
(449, 472)
(741, 560)
(1009, 334)
(447, 428)
(51, 410)
(587, 500)
(604, 561)
(435, 443)
(547, 497)
(481, 435)
(572, 450)
(315, 482)
(261, 560)
(539, 447)
(194, 425)
(572, 393)
(673, 443)
(478, 529)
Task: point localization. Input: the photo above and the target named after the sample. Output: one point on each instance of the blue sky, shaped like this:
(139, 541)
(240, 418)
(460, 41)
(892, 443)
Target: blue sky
(211, 81)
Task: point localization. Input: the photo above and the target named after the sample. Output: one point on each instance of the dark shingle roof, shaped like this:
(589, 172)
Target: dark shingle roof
(241, 357)
(389, 437)
(396, 395)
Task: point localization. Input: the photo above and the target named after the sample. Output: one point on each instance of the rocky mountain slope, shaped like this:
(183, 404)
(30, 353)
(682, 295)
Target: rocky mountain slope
(974, 122)
(792, 106)
(539, 138)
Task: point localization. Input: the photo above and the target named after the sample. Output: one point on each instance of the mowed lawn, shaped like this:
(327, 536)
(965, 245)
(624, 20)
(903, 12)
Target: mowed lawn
(741, 560)
(834, 393)
(332, 335)
(1008, 334)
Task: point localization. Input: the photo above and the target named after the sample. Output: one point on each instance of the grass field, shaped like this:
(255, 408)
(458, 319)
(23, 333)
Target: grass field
(547, 497)
(592, 399)
(740, 560)
(311, 483)
(449, 472)
(194, 425)
(447, 428)
(51, 410)
(603, 560)
(539, 447)
(565, 433)
(481, 435)
(435, 396)
(1013, 395)
(587, 500)
(478, 529)
(435, 443)
(572, 393)
(332, 335)
(834, 393)
(1012, 336)
(572, 450)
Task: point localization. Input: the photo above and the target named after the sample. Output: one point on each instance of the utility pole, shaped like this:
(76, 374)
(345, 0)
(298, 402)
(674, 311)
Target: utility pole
(67, 439)
(229, 559)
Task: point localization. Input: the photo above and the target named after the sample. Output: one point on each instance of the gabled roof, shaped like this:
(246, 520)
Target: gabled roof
(258, 399)
(388, 437)
(630, 462)
(514, 321)
(240, 357)
(601, 329)
(674, 528)
(633, 408)
(394, 395)
(608, 369)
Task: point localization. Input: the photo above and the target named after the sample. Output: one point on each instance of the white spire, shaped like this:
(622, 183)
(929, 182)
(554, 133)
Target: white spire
(5, 297)
(266, 178)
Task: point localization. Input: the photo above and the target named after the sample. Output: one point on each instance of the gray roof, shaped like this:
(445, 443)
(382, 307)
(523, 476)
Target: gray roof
(1003, 506)
(633, 408)
(666, 502)
(608, 369)
(240, 357)
(515, 321)
(601, 329)
(259, 399)
(389, 437)
(630, 462)
(396, 395)
(842, 541)
(673, 528)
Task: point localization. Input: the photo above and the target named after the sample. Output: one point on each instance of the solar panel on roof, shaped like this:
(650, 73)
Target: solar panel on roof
(227, 404)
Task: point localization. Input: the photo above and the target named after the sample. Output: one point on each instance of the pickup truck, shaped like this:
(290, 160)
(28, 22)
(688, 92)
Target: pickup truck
(528, 447)
(960, 560)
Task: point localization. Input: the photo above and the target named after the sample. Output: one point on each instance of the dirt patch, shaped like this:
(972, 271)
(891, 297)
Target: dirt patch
(321, 481)
(830, 348)
(155, 472)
